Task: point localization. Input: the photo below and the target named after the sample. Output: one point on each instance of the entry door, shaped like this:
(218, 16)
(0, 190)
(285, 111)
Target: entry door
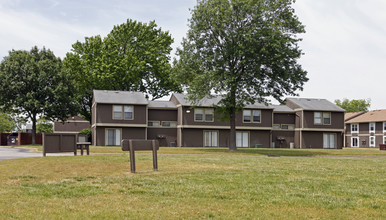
(113, 137)
(210, 138)
(354, 142)
(329, 141)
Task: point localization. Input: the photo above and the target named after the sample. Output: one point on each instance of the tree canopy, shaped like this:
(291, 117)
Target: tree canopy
(243, 50)
(355, 105)
(7, 124)
(133, 57)
(32, 83)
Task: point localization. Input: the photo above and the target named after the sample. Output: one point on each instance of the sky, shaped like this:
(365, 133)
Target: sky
(344, 45)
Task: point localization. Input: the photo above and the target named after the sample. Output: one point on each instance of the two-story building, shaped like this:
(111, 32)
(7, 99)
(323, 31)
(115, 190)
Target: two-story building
(366, 129)
(118, 115)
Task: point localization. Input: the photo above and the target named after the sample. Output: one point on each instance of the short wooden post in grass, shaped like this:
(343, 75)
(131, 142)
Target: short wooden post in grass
(132, 145)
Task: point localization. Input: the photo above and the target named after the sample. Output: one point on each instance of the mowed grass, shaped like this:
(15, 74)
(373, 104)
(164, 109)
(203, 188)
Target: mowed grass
(245, 151)
(193, 187)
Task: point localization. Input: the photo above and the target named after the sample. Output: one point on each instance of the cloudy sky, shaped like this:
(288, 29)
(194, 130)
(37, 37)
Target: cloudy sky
(345, 43)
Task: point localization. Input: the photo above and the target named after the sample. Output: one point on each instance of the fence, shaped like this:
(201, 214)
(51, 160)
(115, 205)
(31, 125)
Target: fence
(59, 143)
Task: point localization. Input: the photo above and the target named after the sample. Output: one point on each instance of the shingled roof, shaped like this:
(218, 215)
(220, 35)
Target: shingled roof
(371, 116)
(210, 102)
(315, 104)
(119, 97)
(162, 104)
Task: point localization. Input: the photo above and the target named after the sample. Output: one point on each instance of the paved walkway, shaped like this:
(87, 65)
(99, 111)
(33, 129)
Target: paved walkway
(14, 153)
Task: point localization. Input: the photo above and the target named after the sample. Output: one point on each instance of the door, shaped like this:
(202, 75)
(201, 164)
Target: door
(242, 139)
(113, 137)
(354, 142)
(329, 141)
(210, 138)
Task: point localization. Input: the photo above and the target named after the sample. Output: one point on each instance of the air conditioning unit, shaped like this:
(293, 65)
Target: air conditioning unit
(173, 144)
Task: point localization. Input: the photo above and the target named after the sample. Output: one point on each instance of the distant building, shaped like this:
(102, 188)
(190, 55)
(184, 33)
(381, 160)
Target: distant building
(73, 124)
(365, 129)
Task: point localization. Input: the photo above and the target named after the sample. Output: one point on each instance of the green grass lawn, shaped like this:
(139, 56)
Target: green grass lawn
(193, 187)
(246, 151)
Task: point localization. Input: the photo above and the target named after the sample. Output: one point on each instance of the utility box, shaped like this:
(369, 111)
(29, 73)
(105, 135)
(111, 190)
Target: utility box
(382, 147)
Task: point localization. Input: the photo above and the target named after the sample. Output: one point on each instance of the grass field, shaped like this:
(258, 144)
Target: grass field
(189, 186)
(247, 151)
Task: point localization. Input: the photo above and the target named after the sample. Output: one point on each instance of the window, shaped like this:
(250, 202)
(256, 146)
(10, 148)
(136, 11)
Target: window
(123, 112)
(284, 127)
(247, 116)
(276, 127)
(201, 114)
(326, 118)
(153, 123)
(384, 139)
(354, 128)
(210, 138)
(354, 142)
(329, 141)
(113, 137)
(242, 139)
(384, 127)
(169, 124)
(317, 118)
(117, 111)
(371, 127)
(372, 141)
(128, 115)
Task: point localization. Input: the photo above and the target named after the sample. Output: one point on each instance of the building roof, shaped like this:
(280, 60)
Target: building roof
(119, 97)
(350, 115)
(162, 104)
(210, 102)
(371, 116)
(315, 104)
(282, 108)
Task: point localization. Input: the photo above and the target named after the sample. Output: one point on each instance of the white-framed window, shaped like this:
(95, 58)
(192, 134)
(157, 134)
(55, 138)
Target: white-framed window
(210, 138)
(326, 118)
(169, 124)
(276, 126)
(384, 139)
(329, 141)
(125, 112)
(113, 137)
(153, 123)
(384, 127)
(372, 141)
(354, 128)
(204, 114)
(317, 118)
(372, 127)
(242, 139)
(354, 142)
(251, 116)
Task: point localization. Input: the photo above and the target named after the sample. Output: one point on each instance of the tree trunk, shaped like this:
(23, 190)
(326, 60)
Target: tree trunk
(232, 114)
(33, 129)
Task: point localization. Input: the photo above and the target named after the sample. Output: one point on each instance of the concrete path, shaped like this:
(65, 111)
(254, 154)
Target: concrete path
(14, 153)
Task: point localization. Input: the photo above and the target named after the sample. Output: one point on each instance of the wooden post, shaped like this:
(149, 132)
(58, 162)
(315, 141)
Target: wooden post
(155, 162)
(132, 157)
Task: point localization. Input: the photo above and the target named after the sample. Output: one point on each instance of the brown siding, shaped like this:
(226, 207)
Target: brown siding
(127, 133)
(284, 118)
(289, 136)
(162, 115)
(297, 139)
(363, 128)
(105, 114)
(298, 119)
(337, 120)
(313, 139)
(379, 127)
(291, 105)
(266, 119)
(260, 137)
(163, 135)
(71, 126)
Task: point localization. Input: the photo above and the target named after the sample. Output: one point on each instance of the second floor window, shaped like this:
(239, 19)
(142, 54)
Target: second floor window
(371, 127)
(354, 128)
(322, 118)
(123, 112)
(203, 114)
(252, 116)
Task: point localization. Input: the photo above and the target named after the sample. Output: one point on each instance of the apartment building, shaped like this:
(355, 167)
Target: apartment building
(118, 115)
(365, 129)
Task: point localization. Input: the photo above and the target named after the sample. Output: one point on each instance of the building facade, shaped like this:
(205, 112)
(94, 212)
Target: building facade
(366, 129)
(118, 115)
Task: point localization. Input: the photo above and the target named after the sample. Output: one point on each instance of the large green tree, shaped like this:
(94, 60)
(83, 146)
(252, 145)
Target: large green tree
(355, 105)
(33, 83)
(243, 50)
(7, 124)
(133, 57)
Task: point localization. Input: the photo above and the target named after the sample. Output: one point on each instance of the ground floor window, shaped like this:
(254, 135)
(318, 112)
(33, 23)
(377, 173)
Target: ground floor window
(113, 137)
(354, 142)
(242, 139)
(372, 141)
(384, 139)
(210, 138)
(329, 141)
